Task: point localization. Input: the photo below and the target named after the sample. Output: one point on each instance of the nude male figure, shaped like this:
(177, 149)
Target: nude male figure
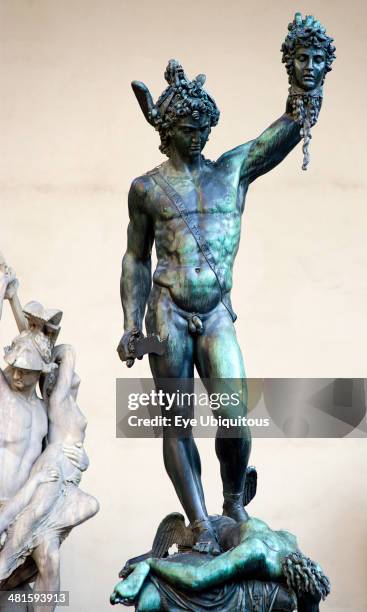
(185, 202)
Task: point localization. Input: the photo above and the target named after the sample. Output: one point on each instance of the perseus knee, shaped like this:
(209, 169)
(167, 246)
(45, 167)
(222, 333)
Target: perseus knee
(232, 415)
(227, 396)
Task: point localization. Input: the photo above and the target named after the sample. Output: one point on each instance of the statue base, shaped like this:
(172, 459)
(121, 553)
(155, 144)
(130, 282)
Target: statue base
(259, 570)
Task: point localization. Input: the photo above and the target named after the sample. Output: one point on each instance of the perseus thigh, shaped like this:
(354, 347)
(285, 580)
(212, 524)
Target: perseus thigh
(219, 362)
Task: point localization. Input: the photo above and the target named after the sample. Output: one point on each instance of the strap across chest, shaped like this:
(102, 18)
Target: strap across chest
(204, 247)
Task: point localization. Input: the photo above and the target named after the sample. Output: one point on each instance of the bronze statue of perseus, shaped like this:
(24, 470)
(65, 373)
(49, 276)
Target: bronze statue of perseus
(192, 209)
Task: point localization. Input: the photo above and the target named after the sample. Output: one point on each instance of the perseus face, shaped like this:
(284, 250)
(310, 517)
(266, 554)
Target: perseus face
(189, 136)
(23, 380)
(309, 67)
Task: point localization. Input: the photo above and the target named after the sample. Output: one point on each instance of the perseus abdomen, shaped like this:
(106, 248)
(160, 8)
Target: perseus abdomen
(192, 288)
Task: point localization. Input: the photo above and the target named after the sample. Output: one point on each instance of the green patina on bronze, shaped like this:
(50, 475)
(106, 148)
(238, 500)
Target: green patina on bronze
(259, 554)
(191, 209)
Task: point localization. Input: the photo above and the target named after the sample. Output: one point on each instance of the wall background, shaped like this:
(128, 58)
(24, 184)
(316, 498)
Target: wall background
(73, 138)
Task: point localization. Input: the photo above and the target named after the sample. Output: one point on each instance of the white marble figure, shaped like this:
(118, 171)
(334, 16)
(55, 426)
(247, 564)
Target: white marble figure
(41, 448)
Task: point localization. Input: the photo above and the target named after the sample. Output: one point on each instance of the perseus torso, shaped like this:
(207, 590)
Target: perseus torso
(214, 202)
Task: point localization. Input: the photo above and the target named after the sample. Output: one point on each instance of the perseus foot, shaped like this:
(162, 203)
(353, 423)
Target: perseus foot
(205, 538)
(234, 508)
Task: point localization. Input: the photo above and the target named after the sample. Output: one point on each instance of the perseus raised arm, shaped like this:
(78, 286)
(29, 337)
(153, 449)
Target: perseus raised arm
(308, 53)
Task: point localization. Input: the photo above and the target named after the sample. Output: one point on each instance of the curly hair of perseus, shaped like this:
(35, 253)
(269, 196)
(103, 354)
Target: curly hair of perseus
(305, 577)
(306, 32)
(180, 99)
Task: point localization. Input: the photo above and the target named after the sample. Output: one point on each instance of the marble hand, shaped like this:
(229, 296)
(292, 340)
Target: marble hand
(48, 474)
(8, 277)
(12, 283)
(77, 455)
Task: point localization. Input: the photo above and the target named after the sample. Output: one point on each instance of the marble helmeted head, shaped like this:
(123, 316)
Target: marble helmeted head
(180, 99)
(32, 349)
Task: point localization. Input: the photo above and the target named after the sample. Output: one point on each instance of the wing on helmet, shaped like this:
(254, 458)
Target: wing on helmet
(145, 100)
(250, 485)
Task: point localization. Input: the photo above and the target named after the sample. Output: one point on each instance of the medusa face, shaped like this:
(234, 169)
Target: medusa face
(309, 67)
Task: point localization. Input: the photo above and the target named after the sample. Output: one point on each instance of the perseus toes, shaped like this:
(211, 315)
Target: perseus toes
(206, 541)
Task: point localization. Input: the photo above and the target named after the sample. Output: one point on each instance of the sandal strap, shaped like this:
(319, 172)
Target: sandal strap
(200, 523)
(233, 497)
